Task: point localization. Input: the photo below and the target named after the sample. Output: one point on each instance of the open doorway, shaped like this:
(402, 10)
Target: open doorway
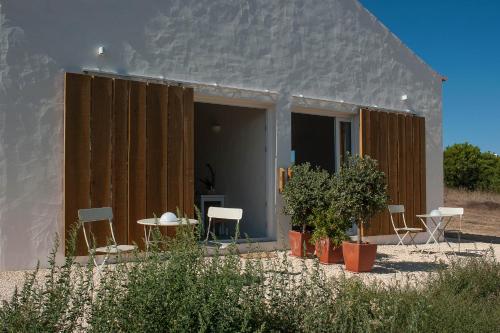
(323, 141)
(230, 165)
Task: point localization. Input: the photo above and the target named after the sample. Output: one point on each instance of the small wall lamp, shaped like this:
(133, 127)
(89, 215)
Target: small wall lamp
(100, 50)
(216, 128)
(404, 97)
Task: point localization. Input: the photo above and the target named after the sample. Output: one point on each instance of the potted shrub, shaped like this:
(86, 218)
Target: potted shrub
(328, 235)
(303, 194)
(358, 193)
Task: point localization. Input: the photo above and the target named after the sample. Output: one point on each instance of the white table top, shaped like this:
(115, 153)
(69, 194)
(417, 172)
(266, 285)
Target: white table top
(156, 222)
(440, 215)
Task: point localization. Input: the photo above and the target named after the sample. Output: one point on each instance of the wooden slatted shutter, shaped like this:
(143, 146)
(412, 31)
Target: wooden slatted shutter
(397, 141)
(128, 145)
(76, 150)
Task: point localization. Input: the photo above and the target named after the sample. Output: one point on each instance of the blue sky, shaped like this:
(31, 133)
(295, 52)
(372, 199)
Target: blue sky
(460, 39)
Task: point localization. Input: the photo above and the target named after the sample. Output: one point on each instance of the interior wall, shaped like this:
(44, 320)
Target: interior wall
(238, 157)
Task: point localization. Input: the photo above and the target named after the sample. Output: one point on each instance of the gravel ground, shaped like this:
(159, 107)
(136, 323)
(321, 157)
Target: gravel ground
(393, 264)
(398, 264)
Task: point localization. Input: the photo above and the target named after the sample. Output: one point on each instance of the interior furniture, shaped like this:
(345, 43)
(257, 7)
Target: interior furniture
(210, 200)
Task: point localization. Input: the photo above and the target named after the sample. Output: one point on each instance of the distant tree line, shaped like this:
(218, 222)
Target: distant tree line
(466, 166)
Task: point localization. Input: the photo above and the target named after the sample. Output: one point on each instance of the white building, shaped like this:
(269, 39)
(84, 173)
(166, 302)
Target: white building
(257, 73)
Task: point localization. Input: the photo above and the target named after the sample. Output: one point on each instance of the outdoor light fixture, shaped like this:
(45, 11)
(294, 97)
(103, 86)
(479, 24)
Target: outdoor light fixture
(100, 50)
(404, 97)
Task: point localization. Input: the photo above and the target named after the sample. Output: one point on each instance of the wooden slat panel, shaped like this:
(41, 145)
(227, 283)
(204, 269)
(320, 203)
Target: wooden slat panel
(156, 148)
(401, 161)
(423, 166)
(374, 227)
(397, 141)
(392, 178)
(100, 159)
(384, 167)
(119, 176)
(137, 161)
(416, 165)
(188, 145)
(174, 149)
(364, 132)
(76, 152)
(410, 159)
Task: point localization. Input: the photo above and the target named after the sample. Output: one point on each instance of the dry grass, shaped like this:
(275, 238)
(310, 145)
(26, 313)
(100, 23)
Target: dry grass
(482, 211)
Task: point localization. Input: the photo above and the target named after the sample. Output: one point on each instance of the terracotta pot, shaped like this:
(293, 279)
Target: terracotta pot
(297, 241)
(327, 253)
(359, 257)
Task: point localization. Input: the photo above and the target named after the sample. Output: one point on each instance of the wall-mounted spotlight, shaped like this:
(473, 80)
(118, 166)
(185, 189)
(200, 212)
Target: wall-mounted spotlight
(404, 97)
(100, 50)
(216, 128)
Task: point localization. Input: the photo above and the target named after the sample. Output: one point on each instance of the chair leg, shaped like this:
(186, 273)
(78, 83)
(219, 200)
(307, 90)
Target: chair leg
(237, 230)
(401, 242)
(208, 229)
(412, 238)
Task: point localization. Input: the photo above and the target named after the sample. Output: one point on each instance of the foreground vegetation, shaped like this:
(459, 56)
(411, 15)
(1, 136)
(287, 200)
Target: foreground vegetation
(182, 290)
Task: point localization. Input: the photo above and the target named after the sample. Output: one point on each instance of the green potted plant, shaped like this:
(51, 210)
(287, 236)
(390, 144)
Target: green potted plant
(328, 235)
(303, 193)
(358, 193)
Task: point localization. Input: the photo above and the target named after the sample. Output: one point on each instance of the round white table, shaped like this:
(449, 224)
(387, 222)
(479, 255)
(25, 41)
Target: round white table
(155, 222)
(440, 222)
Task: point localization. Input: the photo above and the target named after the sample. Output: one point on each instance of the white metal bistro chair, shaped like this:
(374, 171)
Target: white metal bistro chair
(100, 215)
(460, 213)
(220, 213)
(406, 231)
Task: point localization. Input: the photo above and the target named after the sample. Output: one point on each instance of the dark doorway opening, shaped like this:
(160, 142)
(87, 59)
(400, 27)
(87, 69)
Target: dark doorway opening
(313, 140)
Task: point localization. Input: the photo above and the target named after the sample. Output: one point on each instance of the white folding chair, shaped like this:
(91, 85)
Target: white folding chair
(221, 213)
(100, 215)
(460, 213)
(406, 231)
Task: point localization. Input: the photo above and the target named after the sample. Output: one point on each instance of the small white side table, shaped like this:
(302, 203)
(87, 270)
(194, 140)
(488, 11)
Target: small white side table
(440, 222)
(206, 198)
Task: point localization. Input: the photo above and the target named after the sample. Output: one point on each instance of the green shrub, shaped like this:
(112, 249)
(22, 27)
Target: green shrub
(465, 166)
(359, 190)
(327, 224)
(183, 290)
(307, 190)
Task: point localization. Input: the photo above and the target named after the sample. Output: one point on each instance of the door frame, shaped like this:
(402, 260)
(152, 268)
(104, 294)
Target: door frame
(270, 152)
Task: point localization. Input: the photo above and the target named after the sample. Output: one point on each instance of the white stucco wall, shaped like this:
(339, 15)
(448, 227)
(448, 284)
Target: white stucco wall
(324, 49)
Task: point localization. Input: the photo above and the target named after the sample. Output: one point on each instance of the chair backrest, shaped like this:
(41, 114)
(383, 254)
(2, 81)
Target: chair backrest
(225, 213)
(96, 215)
(396, 209)
(451, 210)
(393, 209)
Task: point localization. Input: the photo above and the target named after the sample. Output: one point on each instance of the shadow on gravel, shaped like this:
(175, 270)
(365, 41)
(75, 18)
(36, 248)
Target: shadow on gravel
(388, 267)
